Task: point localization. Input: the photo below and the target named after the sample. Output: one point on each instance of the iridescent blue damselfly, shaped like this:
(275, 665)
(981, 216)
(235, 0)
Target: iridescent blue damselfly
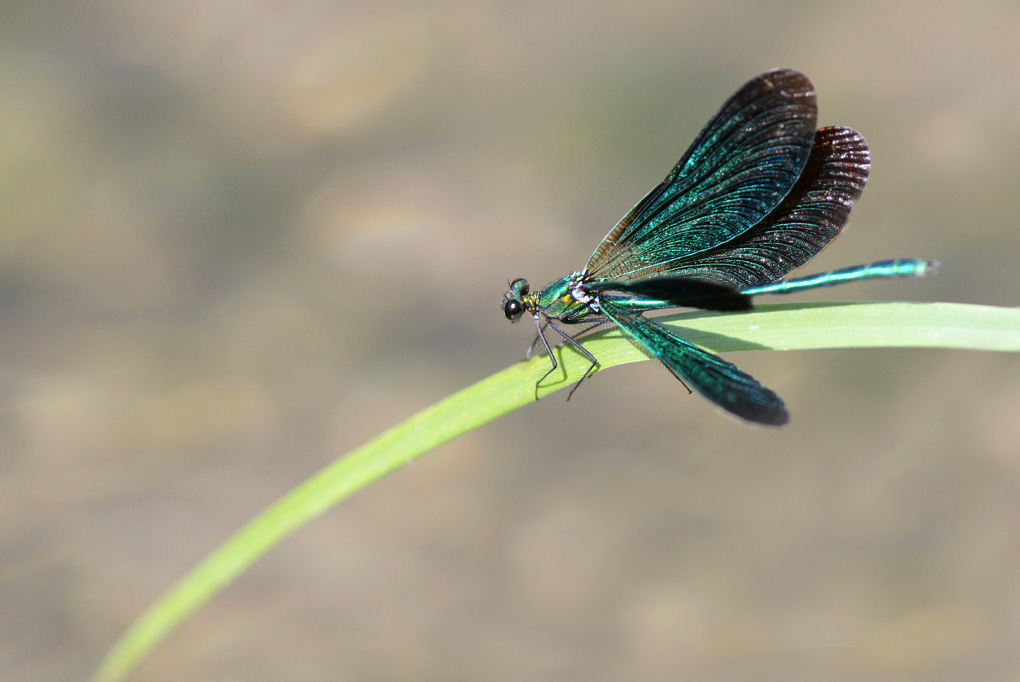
(759, 193)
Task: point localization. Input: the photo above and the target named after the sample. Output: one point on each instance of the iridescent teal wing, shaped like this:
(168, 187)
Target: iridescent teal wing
(719, 381)
(813, 214)
(738, 170)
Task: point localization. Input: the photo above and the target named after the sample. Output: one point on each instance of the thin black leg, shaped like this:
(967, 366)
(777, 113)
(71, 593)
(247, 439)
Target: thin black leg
(569, 339)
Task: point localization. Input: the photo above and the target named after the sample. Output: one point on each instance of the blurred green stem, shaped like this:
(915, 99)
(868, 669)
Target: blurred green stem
(777, 327)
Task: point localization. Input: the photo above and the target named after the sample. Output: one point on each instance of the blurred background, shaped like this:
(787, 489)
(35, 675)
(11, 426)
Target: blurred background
(239, 239)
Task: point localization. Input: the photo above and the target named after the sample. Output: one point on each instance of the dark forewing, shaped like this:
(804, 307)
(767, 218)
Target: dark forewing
(812, 215)
(738, 169)
(719, 381)
(677, 292)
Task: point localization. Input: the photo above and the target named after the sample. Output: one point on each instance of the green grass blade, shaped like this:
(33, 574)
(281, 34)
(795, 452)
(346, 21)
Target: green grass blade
(780, 327)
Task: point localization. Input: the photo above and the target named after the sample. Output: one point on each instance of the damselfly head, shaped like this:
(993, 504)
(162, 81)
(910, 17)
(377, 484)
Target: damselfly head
(513, 300)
